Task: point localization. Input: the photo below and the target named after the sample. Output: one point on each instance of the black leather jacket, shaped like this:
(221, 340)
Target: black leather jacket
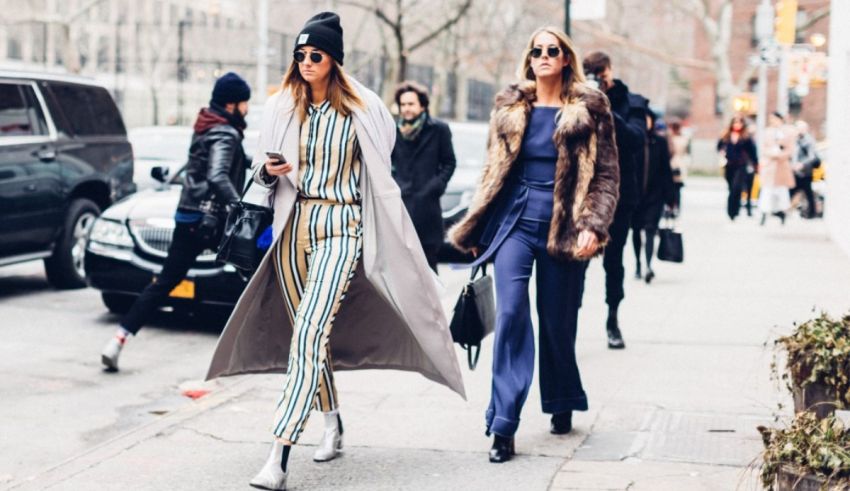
(217, 163)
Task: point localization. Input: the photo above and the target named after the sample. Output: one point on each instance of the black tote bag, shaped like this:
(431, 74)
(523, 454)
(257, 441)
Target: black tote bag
(670, 246)
(474, 314)
(245, 223)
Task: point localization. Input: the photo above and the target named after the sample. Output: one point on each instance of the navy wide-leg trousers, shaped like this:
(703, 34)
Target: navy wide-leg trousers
(560, 286)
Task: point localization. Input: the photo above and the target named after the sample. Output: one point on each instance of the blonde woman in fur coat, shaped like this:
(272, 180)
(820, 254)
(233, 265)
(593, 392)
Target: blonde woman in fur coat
(547, 196)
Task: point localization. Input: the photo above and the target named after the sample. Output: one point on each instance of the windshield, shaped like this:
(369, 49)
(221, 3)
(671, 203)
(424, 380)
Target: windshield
(160, 146)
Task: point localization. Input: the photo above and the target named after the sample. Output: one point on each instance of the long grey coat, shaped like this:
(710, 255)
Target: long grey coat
(391, 316)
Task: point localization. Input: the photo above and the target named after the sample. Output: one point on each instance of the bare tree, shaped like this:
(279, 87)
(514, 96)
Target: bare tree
(401, 18)
(715, 18)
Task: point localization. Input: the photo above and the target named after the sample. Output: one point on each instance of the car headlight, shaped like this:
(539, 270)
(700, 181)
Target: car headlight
(111, 233)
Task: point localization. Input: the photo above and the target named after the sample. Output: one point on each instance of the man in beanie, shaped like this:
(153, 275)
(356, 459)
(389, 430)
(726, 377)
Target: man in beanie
(423, 162)
(213, 179)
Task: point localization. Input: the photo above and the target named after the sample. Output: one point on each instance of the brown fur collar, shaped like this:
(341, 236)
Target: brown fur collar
(586, 175)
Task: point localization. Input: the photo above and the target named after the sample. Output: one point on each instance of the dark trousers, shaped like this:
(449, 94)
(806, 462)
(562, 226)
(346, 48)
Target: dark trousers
(739, 181)
(431, 252)
(560, 285)
(650, 231)
(187, 243)
(612, 258)
(804, 184)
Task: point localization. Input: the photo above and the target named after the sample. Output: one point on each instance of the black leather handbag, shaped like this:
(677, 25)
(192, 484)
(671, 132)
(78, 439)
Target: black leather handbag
(670, 246)
(474, 315)
(245, 223)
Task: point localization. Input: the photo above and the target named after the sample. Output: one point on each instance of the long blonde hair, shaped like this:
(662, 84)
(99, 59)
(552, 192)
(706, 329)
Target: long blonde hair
(341, 94)
(570, 75)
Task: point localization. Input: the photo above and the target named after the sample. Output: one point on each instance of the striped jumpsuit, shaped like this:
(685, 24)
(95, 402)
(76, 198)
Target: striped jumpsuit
(315, 258)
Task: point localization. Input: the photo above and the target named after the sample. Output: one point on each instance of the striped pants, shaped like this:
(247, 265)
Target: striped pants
(315, 259)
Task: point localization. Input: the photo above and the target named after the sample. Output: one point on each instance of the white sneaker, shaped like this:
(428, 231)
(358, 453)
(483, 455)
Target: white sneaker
(331, 442)
(271, 476)
(111, 352)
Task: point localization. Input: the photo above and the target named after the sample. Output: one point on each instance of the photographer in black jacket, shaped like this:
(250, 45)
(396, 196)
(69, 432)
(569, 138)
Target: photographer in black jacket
(213, 178)
(629, 111)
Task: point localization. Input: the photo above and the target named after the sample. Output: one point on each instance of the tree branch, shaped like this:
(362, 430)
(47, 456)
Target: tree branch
(815, 18)
(618, 40)
(446, 25)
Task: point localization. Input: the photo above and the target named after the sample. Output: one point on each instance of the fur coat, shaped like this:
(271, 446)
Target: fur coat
(587, 173)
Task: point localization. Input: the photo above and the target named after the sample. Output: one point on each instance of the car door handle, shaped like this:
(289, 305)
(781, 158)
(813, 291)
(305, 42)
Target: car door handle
(46, 154)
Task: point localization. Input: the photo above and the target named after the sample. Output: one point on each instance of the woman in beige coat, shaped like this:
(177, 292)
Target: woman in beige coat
(345, 254)
(775, 172)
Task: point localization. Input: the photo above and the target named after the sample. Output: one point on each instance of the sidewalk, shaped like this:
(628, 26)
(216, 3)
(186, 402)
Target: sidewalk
(676, 410)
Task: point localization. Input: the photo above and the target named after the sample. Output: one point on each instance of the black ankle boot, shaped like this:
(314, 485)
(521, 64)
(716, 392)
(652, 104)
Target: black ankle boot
(502, 449)
(615, 338)
(561, 423)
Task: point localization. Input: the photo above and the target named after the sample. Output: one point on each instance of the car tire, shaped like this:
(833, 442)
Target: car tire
(65, 268)
(117, 303)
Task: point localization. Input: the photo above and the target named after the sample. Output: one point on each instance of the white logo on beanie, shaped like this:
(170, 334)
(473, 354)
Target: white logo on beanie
(302, 39)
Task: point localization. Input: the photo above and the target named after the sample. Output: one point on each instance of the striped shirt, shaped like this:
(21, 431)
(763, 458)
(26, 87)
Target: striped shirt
(329, 166)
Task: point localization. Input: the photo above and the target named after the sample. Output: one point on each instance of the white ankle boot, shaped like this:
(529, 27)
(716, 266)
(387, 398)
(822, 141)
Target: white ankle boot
(271, 476)
(331, 442)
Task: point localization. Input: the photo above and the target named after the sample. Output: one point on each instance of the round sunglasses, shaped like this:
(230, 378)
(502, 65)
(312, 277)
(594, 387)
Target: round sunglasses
(551, 51)
(315, 56)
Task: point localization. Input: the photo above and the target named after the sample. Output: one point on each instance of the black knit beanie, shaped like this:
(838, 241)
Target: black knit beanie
(230, 87)
(323, 31)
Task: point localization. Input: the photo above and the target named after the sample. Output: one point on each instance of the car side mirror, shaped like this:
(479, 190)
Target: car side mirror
(159, 173)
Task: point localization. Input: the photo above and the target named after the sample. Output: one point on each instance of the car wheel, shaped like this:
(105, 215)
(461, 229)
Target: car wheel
(118, 303)
(66, 267)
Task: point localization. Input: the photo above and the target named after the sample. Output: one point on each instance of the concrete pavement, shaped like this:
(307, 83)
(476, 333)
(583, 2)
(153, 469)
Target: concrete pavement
(676, 410)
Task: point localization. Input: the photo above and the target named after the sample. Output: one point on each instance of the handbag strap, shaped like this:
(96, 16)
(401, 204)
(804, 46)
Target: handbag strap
(480, 267)
(471, 359)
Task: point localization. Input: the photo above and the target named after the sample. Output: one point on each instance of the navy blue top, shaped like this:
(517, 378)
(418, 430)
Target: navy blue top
(537, 157)
(530, 189)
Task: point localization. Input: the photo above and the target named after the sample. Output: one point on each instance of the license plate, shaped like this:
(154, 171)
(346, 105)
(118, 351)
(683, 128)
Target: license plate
(186, 289)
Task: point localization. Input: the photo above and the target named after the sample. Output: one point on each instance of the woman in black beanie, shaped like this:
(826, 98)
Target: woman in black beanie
(337, 211)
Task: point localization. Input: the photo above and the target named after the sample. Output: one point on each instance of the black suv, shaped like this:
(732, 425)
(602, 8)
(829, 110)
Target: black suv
(64, 157)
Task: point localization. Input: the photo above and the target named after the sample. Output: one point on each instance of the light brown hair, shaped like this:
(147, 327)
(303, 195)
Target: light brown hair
(570, 75)
(341, 93)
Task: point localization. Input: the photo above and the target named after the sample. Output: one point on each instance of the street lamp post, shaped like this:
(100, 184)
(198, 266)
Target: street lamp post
(567, 17)
(764, 34)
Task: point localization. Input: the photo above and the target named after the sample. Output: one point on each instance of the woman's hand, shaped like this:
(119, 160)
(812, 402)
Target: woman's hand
(587, 244)
(474, 251)
(275, 168)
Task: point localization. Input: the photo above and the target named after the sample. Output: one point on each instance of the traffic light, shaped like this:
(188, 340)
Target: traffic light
(786, 22)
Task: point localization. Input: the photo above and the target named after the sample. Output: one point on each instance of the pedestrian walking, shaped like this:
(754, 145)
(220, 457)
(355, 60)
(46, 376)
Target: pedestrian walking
(337, 235)
(629, 111)
(658, 191)
(423, 163)
(213, 180)
(778, 148)
(739, 158)
(547, 196)
(806, 162)
(680, 159)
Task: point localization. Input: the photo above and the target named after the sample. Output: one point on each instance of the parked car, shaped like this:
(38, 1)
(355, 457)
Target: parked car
(470, 145)
(129, 242)
(64, 157)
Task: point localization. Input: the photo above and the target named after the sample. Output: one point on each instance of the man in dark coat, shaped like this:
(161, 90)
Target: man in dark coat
(423, 162)
(213, 179)
(629, 112)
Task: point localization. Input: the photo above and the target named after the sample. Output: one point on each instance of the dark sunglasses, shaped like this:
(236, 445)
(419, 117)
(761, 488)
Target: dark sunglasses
(552, 51)
(315, 56)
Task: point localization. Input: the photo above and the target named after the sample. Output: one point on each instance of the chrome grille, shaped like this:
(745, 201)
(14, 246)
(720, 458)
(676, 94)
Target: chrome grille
(155, 239)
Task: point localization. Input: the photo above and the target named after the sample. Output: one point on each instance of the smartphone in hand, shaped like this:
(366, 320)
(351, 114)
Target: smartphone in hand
(277, 156)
